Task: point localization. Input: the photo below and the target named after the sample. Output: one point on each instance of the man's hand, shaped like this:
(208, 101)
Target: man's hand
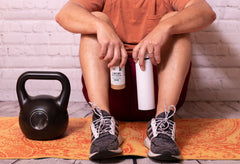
(196, 15)
(112, 48)
(151, 45)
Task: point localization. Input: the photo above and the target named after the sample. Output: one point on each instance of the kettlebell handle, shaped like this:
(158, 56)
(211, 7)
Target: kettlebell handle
(62, 99)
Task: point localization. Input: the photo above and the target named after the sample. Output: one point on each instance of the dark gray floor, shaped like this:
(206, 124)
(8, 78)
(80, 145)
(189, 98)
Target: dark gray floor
(189, 110)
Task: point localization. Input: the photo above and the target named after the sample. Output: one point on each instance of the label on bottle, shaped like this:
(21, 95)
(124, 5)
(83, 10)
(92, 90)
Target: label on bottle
(117, 76)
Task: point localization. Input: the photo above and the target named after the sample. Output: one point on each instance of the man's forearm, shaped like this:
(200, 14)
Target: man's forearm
(74, 18)
(196, 15)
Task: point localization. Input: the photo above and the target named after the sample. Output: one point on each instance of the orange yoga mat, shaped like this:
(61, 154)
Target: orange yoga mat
(197, 139)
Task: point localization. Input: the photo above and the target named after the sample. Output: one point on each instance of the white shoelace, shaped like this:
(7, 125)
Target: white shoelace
(103, 124)
(165, 125)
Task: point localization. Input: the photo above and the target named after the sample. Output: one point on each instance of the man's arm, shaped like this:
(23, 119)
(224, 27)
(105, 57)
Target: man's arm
(196, 15)
(75, 18)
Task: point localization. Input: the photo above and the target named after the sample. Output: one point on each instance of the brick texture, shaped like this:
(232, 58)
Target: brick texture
(30, 40)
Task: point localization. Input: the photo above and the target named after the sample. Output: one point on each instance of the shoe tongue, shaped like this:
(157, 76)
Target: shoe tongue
(162, 115)
(104, 113)
(97, 112)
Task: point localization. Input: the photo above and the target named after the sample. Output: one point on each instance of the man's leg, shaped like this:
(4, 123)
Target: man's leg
(172, 71)
(104, 128)
(95, 71)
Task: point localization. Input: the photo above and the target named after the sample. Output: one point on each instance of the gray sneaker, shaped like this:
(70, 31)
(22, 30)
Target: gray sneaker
(105, 137)
(161, 137)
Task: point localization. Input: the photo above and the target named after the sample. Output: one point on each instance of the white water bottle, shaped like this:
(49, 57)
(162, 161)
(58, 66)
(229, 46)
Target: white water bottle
(145, 86)
(117, 76)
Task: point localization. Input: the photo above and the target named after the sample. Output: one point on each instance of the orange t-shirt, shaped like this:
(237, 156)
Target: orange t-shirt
(133, 19)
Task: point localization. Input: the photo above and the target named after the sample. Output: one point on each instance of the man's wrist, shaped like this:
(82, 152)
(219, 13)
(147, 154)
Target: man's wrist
(97, 25)
(100, 25)
(166, 27)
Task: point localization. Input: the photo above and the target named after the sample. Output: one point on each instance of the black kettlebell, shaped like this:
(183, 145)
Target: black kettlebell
(43, 117)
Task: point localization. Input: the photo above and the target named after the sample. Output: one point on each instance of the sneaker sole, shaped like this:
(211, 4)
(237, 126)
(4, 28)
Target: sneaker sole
(107, 153)
(160, 157)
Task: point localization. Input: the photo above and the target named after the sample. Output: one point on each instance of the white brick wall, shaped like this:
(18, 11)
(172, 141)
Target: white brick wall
(30, 39)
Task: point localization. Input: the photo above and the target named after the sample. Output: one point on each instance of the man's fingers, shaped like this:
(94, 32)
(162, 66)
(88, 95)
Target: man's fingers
(104, 49)
(124, 56)
(110, 51)
(150, 53)
(141, 56)
(157, 54)
(150, 49)
(152, 58)
(135, 52)
(116, 57)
